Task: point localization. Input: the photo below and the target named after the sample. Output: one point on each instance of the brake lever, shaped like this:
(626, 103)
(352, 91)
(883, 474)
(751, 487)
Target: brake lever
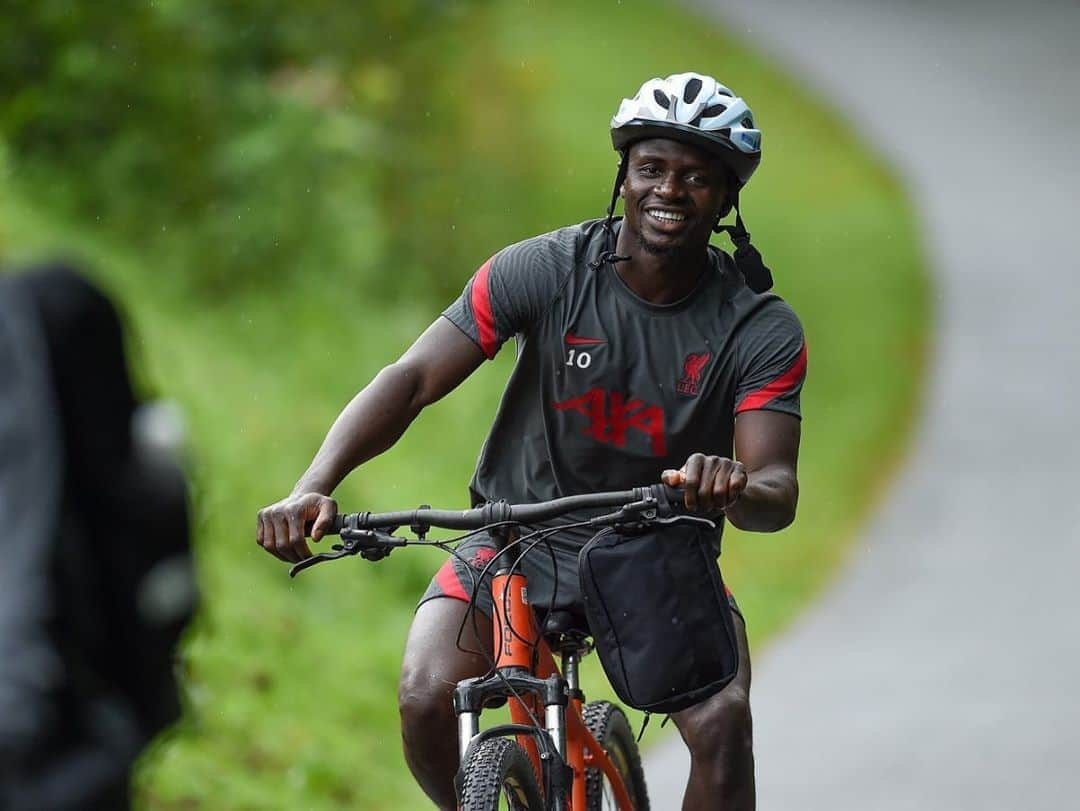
(369, 544)
(708, 523)
(307, 563)
(644, 510)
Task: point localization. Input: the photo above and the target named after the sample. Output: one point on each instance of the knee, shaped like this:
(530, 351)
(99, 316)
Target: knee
(424, 700)
(720, 731)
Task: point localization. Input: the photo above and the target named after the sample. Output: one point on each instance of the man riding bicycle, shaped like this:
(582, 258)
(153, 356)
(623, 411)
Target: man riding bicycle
(643, 353)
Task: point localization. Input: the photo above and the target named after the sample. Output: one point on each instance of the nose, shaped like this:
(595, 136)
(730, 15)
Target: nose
(669, 186)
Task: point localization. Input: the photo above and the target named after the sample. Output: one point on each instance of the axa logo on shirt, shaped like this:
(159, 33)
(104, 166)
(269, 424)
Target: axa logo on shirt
(612, 416)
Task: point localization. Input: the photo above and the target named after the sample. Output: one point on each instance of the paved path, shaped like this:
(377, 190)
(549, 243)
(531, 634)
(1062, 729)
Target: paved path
(943, 670)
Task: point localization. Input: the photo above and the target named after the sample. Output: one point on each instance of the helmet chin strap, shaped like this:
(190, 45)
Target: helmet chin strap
(747, 258)
(608, 256)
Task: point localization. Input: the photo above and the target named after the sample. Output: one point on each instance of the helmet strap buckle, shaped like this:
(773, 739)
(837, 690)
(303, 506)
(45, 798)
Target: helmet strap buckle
(748, 259)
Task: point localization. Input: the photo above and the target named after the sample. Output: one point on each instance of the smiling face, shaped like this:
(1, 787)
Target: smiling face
(673, 195)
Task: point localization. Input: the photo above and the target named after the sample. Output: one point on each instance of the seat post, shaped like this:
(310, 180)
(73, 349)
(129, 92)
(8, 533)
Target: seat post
(571, 657)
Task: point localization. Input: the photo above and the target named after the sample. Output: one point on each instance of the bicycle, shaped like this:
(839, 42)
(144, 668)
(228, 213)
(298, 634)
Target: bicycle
(583, 755)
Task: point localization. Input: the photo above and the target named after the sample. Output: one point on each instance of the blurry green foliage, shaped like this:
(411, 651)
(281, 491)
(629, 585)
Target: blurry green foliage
(234, 142)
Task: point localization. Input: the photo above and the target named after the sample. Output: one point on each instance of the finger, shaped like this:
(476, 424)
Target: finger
(737, 482)
(672, 478)
(282, 548)
(692, 480)
(266, 533)
(709, 477)
(327, 511)
(259, 528)
(721, 485)
(296, 536)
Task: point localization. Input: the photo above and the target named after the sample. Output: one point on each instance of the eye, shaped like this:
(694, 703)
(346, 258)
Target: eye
(648, 170)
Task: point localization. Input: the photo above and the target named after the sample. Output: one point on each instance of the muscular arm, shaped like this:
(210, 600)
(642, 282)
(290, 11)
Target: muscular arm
(760, 491)
(440, 359)
(767, 445)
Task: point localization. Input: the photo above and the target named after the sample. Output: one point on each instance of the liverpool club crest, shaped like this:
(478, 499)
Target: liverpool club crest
(693, 366)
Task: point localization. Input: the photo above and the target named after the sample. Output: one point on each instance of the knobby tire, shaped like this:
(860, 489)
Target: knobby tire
(612, 731)
(499, 768)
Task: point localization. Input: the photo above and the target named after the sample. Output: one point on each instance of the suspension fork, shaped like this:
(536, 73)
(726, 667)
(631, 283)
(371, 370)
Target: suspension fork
(525, 664)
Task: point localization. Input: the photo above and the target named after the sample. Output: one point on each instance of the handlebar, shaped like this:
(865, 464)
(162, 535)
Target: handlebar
(497, 512)
(361, 535)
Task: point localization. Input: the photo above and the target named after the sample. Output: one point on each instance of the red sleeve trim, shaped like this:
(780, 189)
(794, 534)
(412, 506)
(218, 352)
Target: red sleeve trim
(448, 581)
(481, 307)
(782, 385)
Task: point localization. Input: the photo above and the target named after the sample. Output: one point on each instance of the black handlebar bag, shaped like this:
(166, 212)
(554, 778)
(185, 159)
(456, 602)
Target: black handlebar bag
(659, 615)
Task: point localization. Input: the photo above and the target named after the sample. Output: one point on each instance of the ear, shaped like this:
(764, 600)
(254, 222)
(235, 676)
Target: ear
(622, 189)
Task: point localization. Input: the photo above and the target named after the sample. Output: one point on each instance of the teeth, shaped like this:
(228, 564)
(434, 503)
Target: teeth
(668, 216)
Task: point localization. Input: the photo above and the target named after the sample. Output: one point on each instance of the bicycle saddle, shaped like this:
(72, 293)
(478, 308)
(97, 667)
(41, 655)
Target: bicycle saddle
(561, 624)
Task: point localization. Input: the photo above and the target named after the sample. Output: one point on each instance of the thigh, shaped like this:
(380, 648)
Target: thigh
(447, 642)
(730, 705)
(466, 574)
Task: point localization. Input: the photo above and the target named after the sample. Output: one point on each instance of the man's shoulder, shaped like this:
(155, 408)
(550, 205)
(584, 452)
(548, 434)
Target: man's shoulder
(746, 302)
(766, 320)
(561, 249)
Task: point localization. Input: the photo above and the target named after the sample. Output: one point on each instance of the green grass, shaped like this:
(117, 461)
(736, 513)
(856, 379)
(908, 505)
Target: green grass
(291, 686)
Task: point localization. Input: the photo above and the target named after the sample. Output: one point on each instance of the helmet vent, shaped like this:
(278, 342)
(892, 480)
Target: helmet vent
(661, 99)
(690, 92)
(713, 110)
(746, 122)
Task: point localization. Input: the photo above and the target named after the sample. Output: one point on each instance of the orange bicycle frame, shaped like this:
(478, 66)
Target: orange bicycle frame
(519, 644)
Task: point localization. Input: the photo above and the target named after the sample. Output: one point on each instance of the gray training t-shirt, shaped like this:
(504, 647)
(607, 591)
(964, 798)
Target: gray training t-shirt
(609, 390)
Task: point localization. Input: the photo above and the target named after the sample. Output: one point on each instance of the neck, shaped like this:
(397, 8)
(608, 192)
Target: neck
(659, 278)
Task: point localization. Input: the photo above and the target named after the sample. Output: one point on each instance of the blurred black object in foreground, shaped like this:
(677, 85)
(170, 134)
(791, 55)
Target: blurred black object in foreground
(96, 582)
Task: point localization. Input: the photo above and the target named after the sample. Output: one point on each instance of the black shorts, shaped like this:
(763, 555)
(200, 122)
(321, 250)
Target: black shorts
(549, 587)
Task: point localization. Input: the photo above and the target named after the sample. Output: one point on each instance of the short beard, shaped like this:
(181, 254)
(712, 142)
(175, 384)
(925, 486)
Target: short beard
(671, 252)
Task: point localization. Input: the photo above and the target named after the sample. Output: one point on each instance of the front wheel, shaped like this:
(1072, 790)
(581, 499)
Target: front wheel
(609, 726)
(500, 775)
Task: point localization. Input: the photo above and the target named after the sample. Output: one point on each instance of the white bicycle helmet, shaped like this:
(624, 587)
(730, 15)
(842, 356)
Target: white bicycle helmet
(698, 110)
(694, 109)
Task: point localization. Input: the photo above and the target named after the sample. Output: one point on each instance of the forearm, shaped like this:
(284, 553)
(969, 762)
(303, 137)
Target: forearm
(768, 503)
(371, 423)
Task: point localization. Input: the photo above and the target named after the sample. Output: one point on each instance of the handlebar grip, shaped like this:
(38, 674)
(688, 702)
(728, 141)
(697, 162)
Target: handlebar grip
(335, 527)
(675, 495)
